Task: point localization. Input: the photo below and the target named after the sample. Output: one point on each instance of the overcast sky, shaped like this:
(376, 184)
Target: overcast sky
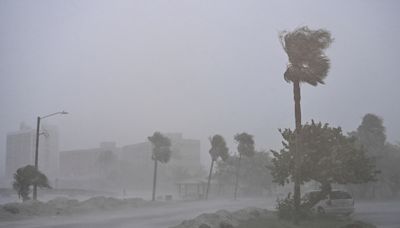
(124, 69)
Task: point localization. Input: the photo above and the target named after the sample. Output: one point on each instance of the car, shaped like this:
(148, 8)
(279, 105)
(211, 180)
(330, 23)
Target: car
(337, 202)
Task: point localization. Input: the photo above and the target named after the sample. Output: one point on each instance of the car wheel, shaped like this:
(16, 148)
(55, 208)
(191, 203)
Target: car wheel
(321, 211)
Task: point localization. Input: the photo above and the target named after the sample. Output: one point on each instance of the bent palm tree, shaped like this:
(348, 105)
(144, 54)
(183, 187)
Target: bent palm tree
(26, 176)
(218, 149)
(161, 153)
(245, 148)
(307, 63)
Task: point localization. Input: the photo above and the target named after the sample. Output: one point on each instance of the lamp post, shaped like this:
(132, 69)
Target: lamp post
(37, 145)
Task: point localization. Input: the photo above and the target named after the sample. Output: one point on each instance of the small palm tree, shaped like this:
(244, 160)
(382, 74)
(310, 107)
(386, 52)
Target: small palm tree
(27, 176)
(307, 63)
(245, 148)
(161, 153)
(218, 149)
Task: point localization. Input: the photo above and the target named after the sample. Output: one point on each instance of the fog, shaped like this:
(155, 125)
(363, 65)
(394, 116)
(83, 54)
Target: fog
(126, 69)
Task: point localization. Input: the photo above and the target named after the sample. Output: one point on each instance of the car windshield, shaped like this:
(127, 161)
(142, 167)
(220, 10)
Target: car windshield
(340, 195)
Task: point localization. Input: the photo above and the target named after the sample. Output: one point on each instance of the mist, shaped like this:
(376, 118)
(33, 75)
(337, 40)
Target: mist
(126, 69)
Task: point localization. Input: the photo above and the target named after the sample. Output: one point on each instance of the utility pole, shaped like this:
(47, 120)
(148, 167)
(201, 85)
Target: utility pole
(36, 155)
(37, 146)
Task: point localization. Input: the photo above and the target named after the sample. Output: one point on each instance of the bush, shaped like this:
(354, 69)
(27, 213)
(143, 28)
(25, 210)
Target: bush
(225, 225)
(286, 210)
(285, 207)
(12, 208)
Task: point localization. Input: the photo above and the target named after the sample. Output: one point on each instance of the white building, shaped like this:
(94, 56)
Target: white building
(20, 150)
(84, 163)
(133, 162)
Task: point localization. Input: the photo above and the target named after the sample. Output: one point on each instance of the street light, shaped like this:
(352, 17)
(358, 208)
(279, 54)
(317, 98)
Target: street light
(37, 145)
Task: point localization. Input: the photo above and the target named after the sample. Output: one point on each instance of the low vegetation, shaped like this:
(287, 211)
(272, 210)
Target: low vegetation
(262, 218)
(325, 222)
(66, 206)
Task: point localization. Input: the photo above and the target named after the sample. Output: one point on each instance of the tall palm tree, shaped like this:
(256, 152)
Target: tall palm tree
(28, 176)
(161, 153)
(218, 149)
(307, 63)
(245, 148)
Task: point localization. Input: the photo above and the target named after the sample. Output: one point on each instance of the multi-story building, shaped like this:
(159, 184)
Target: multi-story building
(20, 150)
(132, 160)
(86, 163)
(185, 154)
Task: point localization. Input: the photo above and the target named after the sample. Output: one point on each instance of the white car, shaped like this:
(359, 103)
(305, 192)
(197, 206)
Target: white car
(337, 202)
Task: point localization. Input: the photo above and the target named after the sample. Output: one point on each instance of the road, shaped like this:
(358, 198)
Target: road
(382, 214)
(149, 217)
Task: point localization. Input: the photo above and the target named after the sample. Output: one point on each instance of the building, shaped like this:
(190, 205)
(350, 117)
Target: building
(139, 155)
(85, 163)
(185, 154)
(131, 164)
(20, 150)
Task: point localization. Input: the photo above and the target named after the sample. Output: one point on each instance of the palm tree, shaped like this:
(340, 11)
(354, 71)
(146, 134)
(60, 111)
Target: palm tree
(161, 153)
(245, 148)
(218, 149)
(26, 176)
(307, 63)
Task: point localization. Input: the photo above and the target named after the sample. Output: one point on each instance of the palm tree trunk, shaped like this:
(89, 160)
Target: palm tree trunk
(237, 176)
(209, 178)
(297, 175)
(154, 180)
(326, 188)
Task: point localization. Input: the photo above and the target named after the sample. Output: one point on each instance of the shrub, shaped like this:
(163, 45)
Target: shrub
(285, 207)
(286, 210)
(12, 208)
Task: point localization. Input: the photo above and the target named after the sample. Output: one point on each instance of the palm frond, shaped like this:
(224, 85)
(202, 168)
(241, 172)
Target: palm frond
(246, 144)
(161, 147)
(26, 176)
(218, 148)
(307, 60)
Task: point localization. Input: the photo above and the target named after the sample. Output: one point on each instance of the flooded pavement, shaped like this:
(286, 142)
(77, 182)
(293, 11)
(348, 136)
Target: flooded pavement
(384, 214)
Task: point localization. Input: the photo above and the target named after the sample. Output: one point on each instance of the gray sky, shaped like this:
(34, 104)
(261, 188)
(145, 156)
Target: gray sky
(124, 69)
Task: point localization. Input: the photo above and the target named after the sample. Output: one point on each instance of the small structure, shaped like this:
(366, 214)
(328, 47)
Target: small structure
(192, 189)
